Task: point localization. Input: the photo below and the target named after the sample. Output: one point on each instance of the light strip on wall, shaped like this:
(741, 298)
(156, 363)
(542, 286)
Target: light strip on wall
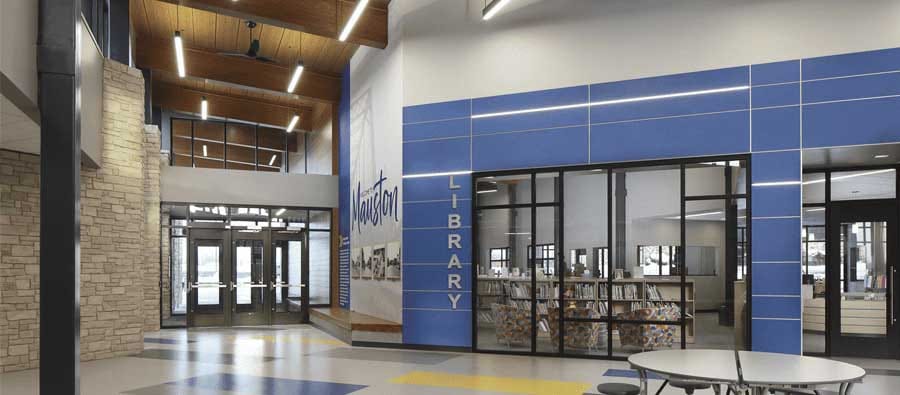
(271, 161)
(295, 78)
(810, 210)
(204, 108)
(448, 173)
(204, 150)
(775, 183)
(615, 101)
(179, 55)
(839, 178)
(488, 12)
(698, 215)
(354, 17)
(293, 123)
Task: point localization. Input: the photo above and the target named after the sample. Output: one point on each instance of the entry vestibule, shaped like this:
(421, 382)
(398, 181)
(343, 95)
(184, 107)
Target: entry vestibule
(606, 246)
(234, 266)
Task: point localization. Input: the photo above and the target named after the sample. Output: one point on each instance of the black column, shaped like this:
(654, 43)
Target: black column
(621, 246)
(60, 105)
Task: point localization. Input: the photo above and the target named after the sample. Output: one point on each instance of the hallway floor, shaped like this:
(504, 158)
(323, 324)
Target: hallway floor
(304, 360)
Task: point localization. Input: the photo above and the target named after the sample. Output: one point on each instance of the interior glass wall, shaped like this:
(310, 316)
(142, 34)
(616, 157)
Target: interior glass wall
(624, 258)
(231, 145)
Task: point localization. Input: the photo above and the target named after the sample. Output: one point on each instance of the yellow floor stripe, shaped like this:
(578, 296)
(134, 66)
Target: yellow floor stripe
(494, 384)
(296, 339)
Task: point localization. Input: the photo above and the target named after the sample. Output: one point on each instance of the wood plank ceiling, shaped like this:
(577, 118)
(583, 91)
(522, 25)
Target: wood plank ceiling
(156, 21)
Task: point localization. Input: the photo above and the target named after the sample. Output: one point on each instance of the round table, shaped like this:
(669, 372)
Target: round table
(745, 369)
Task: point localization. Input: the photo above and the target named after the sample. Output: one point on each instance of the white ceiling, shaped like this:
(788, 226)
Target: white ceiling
(17, 131)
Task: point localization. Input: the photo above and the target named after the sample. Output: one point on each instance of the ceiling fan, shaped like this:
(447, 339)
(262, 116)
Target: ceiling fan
(252, 51)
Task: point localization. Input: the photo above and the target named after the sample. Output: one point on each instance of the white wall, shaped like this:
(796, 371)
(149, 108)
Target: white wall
(196, 185)
(18, 46)
(450, 53)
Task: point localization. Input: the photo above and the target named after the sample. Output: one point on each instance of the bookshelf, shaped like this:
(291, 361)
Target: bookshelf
(628, 295)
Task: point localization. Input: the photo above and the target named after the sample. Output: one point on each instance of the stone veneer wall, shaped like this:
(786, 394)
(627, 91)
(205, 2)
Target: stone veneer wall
(118, 258)
(151, 233)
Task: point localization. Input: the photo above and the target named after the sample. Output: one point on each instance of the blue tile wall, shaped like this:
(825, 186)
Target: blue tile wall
(549, 147)
(776, 335)
(723, 133)
(436, 156)
(771, 116)
(850, 123)
(775, 73)
(786, 307)
(776, 129)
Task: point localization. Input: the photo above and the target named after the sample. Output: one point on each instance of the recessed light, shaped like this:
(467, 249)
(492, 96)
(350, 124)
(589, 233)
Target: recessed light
(882, 156)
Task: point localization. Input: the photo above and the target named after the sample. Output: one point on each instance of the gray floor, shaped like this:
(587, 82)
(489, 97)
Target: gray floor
(303, 360)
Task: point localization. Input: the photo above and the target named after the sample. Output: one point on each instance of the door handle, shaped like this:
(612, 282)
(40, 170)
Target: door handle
(208, 285)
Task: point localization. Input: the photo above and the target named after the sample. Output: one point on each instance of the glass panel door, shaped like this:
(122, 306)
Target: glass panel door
(862, 298)
(209, 304)
(249, 285)
(289, 282)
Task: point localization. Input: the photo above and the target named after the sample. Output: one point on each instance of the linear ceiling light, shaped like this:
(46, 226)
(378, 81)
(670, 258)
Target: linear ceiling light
(615, 101)
(839, 178)
(447, 173)
(354, 17)
(280, 211)
(204, 150)
(293, 123)
(204, 108)
(698, 215)
(775, 183)
(492, 9)
(295, 78)
(179, 55)
(272, 160)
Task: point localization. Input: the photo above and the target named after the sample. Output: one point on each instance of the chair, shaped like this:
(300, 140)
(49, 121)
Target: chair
(689, 386)
(618, 389)
(513, 325)
(583, 335)
(649, 336)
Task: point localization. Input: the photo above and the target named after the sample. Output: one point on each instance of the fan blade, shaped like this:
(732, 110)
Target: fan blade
(264, 59)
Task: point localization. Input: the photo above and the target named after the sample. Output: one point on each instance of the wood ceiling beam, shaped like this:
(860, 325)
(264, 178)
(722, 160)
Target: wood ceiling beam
(178, 98)
(160, 55)
(320, 17)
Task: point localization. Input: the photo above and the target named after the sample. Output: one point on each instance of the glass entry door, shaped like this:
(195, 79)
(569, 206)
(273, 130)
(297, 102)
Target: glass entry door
(209, 297)
(289, 281)
(861, 279)
(248, 282)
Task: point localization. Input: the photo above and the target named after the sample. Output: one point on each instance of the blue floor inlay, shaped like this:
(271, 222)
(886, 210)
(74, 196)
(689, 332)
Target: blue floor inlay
(159, 340)
(266, 385)
(631, 374)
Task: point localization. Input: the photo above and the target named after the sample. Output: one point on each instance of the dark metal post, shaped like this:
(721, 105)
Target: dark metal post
(59, 99)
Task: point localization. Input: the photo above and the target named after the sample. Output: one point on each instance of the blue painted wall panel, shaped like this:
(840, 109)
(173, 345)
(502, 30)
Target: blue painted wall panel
(712, 134)
(775, 307)
(438, 328)
(436, 300)
(776, 166)
(776, 239)
(530, 121)
(716, 102)
(436, 188)
(438, 129)
(776, 278)
(434, 214)
(776, 95)
(436, 111)
(435, 277)
(851, 123)
(530, 100)
(552, 147)
(430, 246)
(776, 201)
(776, 129)
(436, 156)
(775, 73)
(669, 84)
(851, 88)
(851, 64)
(781, 336)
